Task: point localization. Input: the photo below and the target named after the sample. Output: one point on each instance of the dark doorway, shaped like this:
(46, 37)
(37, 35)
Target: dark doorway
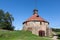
(41, 33)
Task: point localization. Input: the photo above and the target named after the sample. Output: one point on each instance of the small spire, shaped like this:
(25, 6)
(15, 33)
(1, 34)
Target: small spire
(35, 11)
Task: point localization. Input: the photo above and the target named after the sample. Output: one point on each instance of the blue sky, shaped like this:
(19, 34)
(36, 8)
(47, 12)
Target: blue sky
(23, 9)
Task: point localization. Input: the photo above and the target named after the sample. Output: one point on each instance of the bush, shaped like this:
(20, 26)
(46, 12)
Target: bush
(58, 36)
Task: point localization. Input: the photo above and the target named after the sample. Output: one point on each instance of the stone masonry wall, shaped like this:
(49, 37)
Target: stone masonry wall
(35, 27)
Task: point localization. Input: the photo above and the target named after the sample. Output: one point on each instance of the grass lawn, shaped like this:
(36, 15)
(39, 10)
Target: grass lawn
(20, 35)
(58, 32)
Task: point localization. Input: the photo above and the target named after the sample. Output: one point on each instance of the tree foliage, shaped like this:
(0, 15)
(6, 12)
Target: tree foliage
(56, 30)
(6, 20)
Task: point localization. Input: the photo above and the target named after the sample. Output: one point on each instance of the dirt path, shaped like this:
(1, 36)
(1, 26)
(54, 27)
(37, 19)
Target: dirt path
(55, 37)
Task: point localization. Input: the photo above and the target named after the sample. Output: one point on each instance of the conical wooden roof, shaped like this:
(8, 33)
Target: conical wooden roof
(35, 17)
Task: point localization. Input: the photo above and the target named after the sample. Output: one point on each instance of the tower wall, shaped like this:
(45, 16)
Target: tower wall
(35, 27)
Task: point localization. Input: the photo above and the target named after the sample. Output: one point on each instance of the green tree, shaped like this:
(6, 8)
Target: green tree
(1, 18)
(6, 20)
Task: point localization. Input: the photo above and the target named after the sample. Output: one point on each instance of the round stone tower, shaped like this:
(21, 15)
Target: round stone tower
(37, 25)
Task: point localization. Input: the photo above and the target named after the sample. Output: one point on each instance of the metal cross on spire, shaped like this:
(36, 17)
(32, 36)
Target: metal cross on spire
(35, 9)
(35, 4)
